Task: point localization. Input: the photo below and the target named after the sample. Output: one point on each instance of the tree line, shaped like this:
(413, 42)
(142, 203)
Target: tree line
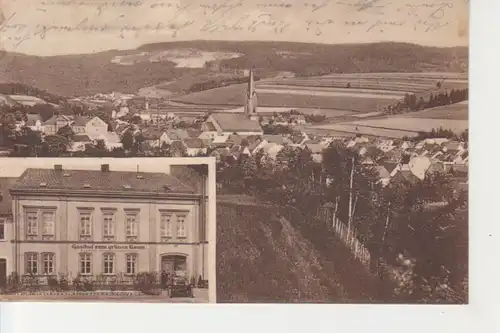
(411, 102)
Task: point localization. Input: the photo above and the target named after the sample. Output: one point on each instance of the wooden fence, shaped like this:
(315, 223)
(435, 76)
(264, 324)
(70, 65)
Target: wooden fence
(350, 240)
(357, 248)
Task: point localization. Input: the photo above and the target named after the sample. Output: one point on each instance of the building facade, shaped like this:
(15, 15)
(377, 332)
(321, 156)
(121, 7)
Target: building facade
(106, 224)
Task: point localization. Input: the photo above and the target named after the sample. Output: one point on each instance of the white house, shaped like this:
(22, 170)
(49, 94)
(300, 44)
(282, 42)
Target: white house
(93, 127)
(111, 140)
(34, 122)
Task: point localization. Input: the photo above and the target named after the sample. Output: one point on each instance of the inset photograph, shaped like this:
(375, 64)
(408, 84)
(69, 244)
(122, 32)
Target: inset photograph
(105, 229)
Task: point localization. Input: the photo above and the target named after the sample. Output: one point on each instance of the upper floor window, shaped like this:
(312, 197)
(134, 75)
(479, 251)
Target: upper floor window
(32, 223)
(131, 225)
(48, 263)
(166, 225)
(48, 222)
(109, 263)
(31, 263)
(85, 224)
(181, 226)
(108, 225)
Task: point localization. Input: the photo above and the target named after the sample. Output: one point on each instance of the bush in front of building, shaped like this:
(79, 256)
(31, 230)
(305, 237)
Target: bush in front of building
(31, 281)
(147, 283)
(53, 283)
(63, 282)
(83, 284)
(13, 284)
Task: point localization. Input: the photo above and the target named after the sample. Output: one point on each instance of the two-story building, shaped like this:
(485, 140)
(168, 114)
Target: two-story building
(106, 223)
(93, 127)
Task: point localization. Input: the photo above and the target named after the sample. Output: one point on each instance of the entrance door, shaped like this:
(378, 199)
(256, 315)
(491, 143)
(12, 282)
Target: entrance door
(173, 263)
(3, 272)
(167, 264)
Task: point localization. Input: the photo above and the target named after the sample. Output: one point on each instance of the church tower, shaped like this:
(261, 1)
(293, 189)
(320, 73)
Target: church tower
(251, 98)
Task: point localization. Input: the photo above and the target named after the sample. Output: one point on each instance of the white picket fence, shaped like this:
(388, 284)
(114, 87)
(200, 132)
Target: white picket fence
(350, 239)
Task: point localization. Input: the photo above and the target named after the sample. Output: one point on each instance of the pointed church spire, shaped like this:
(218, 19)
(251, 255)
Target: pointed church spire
(251, 96)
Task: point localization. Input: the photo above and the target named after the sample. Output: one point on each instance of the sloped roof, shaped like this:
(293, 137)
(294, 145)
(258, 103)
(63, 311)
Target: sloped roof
(236, 122)
(100, 181)
(81, 121)
(389, 166)
(382, 171)
(275, 138)
(210, 127)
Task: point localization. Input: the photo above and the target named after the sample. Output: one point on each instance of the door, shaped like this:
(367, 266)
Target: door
(167, 264)
(173, 263)
(3, 272)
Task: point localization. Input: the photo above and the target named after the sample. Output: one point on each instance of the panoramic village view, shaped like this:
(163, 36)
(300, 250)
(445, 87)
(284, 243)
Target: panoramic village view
(342, 170)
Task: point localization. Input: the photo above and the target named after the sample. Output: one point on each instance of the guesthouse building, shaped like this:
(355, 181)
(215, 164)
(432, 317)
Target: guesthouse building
(105, 223)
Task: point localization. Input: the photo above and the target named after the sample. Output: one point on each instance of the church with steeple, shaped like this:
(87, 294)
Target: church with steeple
(230, 122)
(251, 101)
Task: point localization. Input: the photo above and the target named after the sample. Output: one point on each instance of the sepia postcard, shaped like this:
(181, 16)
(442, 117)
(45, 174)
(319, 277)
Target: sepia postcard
(338, 132)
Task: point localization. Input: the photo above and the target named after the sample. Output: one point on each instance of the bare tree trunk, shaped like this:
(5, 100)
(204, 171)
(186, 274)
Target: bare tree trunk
(350, 200)
(335, 211)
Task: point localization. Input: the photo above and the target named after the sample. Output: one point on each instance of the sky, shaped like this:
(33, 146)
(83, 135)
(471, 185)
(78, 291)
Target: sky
(14, 167)
(51, 27)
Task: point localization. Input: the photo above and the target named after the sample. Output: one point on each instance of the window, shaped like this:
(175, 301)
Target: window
(32, 263)
(181, 226)
(131, 227)
(166, 225)
(109, 224)
(85, 225)
(85, 263)
(48, 263)
(131, 262)
(2, 229)
(48, 222)
(32, 223)
(109, 263)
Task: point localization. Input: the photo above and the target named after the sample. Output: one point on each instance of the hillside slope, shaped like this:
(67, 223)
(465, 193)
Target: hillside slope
(74, 75)
(263, 257)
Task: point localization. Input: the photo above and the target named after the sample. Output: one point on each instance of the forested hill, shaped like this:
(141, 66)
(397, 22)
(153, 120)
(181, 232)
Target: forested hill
(73, 75)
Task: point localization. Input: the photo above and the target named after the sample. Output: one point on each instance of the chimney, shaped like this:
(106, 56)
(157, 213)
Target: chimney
(58, 167)
(105, 167)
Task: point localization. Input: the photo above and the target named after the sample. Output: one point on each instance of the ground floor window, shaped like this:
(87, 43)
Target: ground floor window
(31, 263)
(109, 263)
(131, 263)
(85, 263)
(48, 263)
